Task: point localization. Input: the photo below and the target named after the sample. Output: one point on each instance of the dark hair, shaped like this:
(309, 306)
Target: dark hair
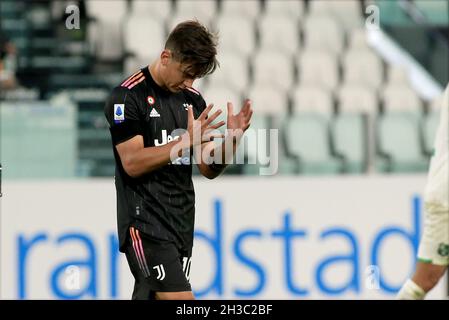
(192, 44)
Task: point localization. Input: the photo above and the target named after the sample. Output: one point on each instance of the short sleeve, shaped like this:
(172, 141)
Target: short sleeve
(198, 102)
(201, 105)
(122, 113)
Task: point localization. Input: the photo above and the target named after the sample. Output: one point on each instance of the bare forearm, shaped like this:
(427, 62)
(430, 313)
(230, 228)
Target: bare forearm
(227, 151)
(147, 159)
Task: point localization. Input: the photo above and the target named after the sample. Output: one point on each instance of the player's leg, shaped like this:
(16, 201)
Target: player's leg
(158, 269)
(185, 260)
(182, 295)
(142, 290)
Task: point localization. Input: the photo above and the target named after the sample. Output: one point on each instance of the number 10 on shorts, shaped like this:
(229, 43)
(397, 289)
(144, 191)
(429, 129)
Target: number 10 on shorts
(186, 261)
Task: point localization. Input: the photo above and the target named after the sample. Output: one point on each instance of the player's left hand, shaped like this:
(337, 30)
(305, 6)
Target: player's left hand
(241, 120)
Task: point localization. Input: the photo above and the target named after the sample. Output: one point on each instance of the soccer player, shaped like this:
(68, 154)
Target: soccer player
(153, 179)
(433, 253)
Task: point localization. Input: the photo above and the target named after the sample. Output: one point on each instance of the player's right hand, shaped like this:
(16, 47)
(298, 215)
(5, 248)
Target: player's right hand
(202, 129)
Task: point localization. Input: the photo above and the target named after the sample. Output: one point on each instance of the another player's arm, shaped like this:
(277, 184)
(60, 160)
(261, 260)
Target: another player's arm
(237, 125)
(138, 160)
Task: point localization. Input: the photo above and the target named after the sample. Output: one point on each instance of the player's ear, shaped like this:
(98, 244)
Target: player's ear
(165, 57)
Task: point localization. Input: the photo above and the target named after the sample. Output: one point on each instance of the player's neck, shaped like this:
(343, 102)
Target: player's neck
(155, 74)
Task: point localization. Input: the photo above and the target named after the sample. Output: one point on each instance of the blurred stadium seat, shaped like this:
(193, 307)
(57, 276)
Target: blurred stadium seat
(399, 143)
(158, 10)
(357, 98)
(363, 66)
(106, 33)
(203, 10)
(291, 9)
(232, 25)
(233, 72)
(357, 39)
(271, 26)
(314, 155)
(309, 98)
(220, 96)
(323, 32)
(142, 41)
(347, 12)
(268, 100)
(397, 98)
(248, 9)
(319, 68)
(350, 141)
(273, 68)
(397, 75)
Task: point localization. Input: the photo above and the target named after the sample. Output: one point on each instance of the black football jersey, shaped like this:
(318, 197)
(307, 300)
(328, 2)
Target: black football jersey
(160, 203)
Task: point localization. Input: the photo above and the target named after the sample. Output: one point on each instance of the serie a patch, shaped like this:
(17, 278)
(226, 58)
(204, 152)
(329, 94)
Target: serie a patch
(119, 113)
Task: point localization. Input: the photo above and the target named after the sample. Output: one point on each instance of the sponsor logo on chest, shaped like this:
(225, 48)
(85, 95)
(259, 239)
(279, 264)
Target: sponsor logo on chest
(166, 138)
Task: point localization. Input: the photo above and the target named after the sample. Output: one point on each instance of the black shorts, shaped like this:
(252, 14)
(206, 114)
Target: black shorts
(157, 266)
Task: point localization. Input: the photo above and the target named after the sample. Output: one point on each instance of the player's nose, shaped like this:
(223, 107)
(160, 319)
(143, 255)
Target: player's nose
(188, 83)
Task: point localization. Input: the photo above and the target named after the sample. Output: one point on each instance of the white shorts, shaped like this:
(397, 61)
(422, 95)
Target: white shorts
(434, 245)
